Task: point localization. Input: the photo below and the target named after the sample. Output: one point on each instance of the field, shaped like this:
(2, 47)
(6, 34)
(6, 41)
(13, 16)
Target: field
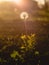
(24, 41)
(23, 49)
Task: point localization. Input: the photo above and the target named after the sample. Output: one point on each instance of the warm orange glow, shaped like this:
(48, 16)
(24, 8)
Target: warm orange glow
(20, 3)
(17, 1)
(40, 1)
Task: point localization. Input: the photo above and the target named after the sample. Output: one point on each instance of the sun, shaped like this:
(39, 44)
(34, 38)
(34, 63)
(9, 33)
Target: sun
(17, 1)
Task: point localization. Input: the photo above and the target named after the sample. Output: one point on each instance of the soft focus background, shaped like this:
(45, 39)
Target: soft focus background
(24, 32)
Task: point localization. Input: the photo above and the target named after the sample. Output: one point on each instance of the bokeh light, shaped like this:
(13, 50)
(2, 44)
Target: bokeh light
(40, 3)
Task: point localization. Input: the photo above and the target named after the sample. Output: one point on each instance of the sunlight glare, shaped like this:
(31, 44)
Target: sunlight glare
(17, 1)
(40, 3)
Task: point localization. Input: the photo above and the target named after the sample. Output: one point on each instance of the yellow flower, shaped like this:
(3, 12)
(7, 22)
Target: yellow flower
(23, 37)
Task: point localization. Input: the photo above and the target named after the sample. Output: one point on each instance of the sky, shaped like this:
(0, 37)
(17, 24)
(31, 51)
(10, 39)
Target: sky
(19, 2)
(39, 1)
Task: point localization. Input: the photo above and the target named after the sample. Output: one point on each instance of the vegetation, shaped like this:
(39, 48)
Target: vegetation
(21, 49)
(24, 49)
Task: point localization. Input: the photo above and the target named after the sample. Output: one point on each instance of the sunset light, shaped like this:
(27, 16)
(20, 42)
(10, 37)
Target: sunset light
(17, 1)
(20, 3)
(41, 1)
(23, 3)
(24, 32)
